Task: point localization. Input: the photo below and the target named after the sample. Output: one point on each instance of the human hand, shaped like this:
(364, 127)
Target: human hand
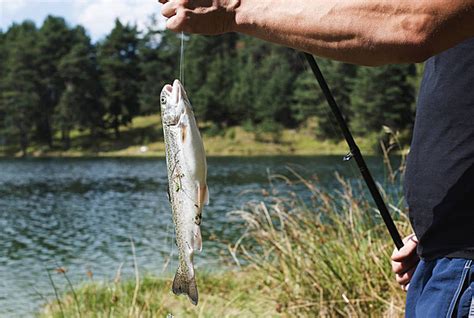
(405, 260)
(209, 17)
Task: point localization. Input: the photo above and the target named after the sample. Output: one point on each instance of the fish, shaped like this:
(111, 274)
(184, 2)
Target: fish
(187, 185)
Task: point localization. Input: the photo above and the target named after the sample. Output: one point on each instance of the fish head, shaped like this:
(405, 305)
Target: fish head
(174, 103)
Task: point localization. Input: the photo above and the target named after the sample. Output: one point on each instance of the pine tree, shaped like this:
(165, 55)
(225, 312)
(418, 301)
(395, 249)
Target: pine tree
(309, 100)
(159, 53)
(272, 102)
(19, 98)
(79, 105)
(3, 55)
(243, 91)
(169, 55)
(209, 75)
(383, 96)
(212, 99)
(120, 75)
(306, 97)
(55, 40)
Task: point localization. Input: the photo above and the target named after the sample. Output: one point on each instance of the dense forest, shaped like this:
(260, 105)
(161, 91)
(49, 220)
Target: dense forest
(54, 80)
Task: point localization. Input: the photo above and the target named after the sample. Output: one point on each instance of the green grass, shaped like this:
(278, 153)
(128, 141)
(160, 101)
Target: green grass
(232, 294)
(232, 141)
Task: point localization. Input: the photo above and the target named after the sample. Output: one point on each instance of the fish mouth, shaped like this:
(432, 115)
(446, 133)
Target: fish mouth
(174, 103)
(168, 88)
(172, 93)
(170, 103)
(176, 91)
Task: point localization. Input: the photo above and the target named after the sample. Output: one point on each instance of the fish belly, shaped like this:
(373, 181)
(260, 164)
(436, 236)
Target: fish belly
(182, 189)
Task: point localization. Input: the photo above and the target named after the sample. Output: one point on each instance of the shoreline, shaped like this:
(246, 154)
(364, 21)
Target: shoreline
(144, 139)
(162, 156)
(215, 147)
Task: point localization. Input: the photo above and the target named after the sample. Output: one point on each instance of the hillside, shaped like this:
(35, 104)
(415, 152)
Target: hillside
(144, 138)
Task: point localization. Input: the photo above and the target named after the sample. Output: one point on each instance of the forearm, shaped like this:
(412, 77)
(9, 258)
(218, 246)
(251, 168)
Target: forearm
(359, 31)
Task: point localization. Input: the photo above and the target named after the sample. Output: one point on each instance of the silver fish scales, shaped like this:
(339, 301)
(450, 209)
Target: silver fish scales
(187, 172)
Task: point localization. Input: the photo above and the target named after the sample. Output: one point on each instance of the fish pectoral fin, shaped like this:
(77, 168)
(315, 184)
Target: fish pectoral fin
(203, 195)
(197, 239)
(184, 125)
(206, 197)
(184, 133)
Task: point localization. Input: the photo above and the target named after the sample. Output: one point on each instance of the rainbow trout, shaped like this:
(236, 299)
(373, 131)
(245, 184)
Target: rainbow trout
(187, 171)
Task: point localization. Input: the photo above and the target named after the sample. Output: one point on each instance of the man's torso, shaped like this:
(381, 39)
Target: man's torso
(439, 182)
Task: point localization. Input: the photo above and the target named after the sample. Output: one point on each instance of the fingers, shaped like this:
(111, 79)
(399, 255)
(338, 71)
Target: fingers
(176, 22)
(209, 17)
(169, 9)
(405, 261)
(405, 287)
(409, 249)
(405, 278)
(176, 15)
(406, 258)
(405, 265)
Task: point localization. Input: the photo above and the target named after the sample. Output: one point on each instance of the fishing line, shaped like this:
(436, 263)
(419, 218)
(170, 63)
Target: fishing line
(181, 60)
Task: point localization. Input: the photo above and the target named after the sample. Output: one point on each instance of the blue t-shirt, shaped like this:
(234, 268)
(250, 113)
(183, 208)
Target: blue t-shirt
(439, 181)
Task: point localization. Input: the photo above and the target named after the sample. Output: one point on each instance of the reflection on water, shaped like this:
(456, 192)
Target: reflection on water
(81, 214)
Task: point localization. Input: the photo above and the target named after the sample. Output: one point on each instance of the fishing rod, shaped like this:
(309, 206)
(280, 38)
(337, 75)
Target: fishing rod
(355, 153)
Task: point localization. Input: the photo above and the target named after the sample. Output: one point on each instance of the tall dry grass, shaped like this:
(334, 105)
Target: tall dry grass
(327, 255)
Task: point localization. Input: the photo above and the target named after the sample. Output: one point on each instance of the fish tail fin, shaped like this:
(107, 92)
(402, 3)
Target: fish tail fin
(182, 284)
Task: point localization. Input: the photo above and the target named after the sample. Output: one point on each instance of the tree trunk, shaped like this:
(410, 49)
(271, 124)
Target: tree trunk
(66, 139)
(49, 133)
(116, 128)
(93, 139)
(45, 134)
(24, 144)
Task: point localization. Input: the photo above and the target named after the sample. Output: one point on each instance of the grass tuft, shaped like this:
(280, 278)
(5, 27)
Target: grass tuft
(231, 294)
(327, 255)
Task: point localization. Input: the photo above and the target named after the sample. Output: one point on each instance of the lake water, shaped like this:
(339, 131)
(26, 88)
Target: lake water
(81, 214)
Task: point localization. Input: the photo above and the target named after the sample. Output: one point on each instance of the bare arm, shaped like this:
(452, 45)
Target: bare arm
(369, 32)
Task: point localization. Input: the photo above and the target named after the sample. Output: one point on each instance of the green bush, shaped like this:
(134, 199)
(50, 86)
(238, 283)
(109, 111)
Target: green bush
(269, 131)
